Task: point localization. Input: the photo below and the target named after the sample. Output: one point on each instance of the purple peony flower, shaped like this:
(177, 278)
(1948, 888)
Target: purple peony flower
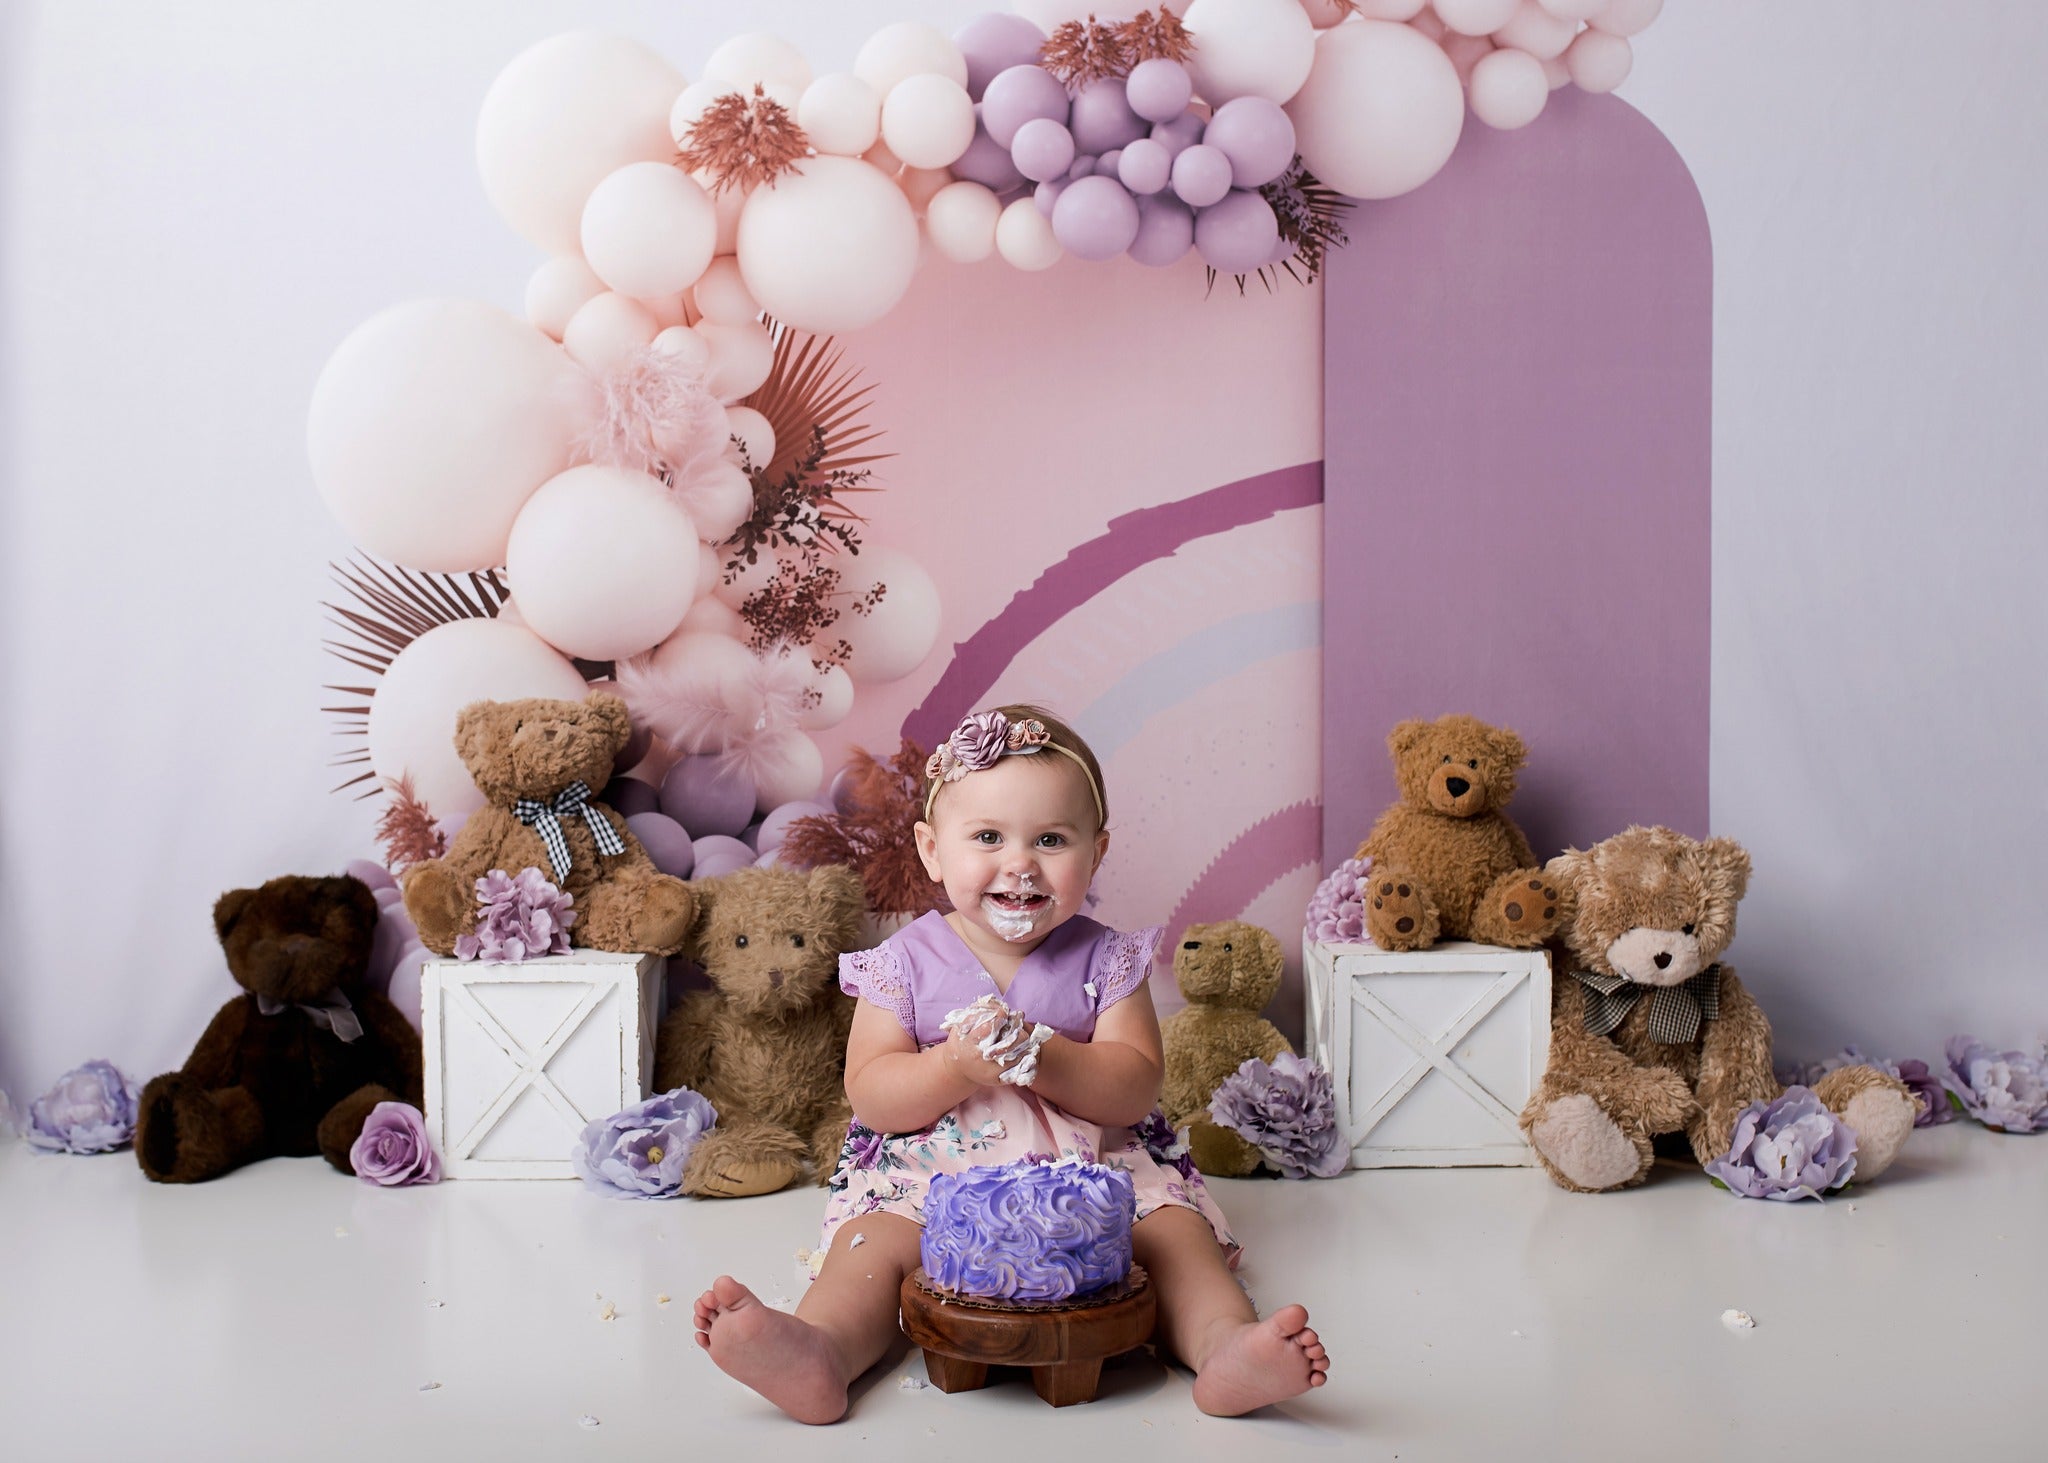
(521, 918)
(10, 1116)
(2005, 1091)
(640, 1153)
(980, 740)
(1288, 1112)
(393, 1149)
(1926, 1086)
(1789, 1148)
(90, 1110)
(1336, 911)
(1922, 1083)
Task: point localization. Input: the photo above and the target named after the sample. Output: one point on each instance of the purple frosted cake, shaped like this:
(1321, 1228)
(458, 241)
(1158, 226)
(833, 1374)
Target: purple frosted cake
(1028, 1233)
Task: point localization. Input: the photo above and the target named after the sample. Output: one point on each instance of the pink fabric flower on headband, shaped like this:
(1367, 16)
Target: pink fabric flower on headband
(980, 741)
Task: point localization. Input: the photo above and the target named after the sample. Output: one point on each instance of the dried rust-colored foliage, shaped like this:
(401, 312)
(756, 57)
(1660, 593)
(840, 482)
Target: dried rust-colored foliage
(1084, 51)
(743, 141)
(1311, 219)
(1155, 36)
(407, 829)
(875, 835)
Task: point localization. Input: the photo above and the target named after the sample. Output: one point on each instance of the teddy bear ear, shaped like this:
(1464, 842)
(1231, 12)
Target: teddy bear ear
(609, 712)
(1406, 737)
(1569, 868)
(839, 897)
(230, 907)
(472, 728)
(1729, 859)
(1510, 746)
(1267, 946)
(700, 922)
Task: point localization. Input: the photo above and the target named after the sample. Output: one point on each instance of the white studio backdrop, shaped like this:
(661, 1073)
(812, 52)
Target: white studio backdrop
(197, 203)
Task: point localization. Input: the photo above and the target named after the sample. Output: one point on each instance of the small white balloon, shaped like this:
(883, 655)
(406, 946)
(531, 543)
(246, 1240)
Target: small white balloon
(608, 329)
(603, 562)
(1381, 112)
(1535, 30)
(748, 579)
(729, 201)
(1249, 48)
(961, 221)
(719, 497)
(1375, 9)
(648, 230)
(835, 699)
(908, 48)
(927, 120)
(892, 639)
(741, 358)
(882, 160)
(841, 114)
(1024, 236)
(1574, 10)
(1322, 14)
(557, 290)
(721, 295)
(1475, 17)
(700, 669)
(759, 56)
(755, 432)
(680, 340)
(1627, 17)
(1556, 73)
(670, 311)
(694, 100)
(831, 247)
(787, 767)
(1599, 61)
(711, 615)
(1508, 89)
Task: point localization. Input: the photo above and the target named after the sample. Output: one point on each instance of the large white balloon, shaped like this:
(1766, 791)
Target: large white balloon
(928, 120)
(603, 562)
(648, 230)
(561, 116)
(1244, 48)
(890, 640)
(759, 56)
(910, 48)
(841, 114)
(1381, 111)
(432, 423)
(412, 715)
(961, 220)
(830, 248)
(1024, 236)
(557, 290)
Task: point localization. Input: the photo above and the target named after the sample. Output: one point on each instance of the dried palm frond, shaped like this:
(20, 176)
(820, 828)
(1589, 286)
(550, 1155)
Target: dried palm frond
(1155, 36)
(808, 391)
(407, 829)
(1311, 215)
(743, 141)
(1084, 51)
(875, 835)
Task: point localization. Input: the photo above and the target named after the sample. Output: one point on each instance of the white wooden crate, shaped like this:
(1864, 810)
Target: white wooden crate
(520, 1057)
(1433, 1053)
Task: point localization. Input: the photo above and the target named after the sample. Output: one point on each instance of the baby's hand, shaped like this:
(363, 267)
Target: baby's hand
(964, 1059)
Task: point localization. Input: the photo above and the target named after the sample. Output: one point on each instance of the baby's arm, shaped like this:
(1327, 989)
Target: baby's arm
(894, 1087)
(1114, 1079)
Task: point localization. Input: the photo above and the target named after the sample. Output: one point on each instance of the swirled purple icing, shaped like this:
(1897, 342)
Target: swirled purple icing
(1029, 1231)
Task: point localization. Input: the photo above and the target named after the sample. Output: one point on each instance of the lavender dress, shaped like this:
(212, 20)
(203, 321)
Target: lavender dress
(925, 971)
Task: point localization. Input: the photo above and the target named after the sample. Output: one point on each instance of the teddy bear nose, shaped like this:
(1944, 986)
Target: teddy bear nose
(1457, 787)
(775, 976)
(1191, 945)
(1663, 958)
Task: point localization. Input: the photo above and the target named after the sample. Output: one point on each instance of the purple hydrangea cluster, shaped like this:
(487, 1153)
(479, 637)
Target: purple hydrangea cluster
(1920, 1081)
(1336, 911)
(640, 1153)
(521, 918)
(2005, 1091)
(1286, 1110)
(393, 1149)
(91, 1109)
(1792, 1147)
(1030, 1232)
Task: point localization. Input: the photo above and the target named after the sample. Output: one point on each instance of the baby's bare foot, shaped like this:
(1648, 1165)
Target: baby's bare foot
(789, 1362)
(1261, 1362)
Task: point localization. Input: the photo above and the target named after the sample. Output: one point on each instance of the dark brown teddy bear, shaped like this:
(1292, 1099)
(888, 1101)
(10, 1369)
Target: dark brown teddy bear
(1447, 861)
(293, 1066)
(1228, 972)
(767, 1044)
(538, 761)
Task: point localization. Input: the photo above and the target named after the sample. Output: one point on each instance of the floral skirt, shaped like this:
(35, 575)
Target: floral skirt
(888, 1172)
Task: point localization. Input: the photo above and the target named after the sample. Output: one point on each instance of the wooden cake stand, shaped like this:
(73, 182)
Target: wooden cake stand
(1064, 1346)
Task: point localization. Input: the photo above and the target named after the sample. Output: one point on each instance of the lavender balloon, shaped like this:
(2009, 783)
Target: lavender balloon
(1237, 234)
(667, 842)
(717, 854)
(1018, 95)
(1029, 1232)
(1084, 165)
(1182, 133)
(1042, 149)
(1047, 195)
(987, 162)
(775, 827)
(1159, 89)
(1166, 230)
(637, 743)
(1201, 176)
(1144, 166)
(1095, 219)
(706, 796)
(994, 43)
(1102, 117)
(1257, 137)
(372, 873)
(629, 795)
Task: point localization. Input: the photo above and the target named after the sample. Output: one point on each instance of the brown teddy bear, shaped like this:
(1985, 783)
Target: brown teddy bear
(1651, 1035)
(294, 1065)
(537, 762)
(767, 1044)
(1228, 972)
(1447, 862)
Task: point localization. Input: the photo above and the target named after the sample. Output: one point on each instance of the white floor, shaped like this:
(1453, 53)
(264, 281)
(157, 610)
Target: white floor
(286, 1312)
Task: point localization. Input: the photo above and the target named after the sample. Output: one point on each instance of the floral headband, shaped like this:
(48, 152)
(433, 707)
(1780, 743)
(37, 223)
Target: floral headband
(983, 740)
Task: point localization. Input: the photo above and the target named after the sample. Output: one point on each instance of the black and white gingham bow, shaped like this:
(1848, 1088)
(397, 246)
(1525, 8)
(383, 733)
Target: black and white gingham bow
(546, 820)
(1675, 1010)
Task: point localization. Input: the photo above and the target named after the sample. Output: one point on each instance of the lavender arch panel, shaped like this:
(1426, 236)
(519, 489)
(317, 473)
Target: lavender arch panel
(1517, 378)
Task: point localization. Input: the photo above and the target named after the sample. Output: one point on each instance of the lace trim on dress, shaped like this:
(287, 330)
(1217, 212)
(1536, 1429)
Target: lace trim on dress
(1126, 963)
(879, 977)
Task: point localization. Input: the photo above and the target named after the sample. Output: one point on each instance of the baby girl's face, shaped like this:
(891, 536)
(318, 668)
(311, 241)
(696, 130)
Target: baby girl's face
(1015, 845)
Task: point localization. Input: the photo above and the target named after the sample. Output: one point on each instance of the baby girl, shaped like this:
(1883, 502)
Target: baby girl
(1015, 827)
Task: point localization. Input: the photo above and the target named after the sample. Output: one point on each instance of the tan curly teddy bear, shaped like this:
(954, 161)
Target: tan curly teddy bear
(767, 1044)
(1651, 1034)
(1447, 861)
(538, 761)
(1228, 972)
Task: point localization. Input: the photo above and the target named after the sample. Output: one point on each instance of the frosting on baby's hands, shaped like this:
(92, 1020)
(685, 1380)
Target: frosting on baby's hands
(1003, 1036)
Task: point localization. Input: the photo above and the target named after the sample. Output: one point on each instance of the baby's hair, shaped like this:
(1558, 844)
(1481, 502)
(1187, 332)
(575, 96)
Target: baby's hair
(1061, 736)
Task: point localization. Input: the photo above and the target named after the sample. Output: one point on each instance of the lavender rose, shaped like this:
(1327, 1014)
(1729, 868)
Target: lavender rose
(981, 739)
(1288, 1112)
(90, 1110)
(2005, 1091)
(521, 918)
(640, 1153)
(393, 1149)
(1789, 1148)
(1336, 911)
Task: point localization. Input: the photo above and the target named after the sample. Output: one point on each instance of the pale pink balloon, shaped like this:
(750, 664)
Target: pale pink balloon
(1322, 14)
(1627, 17)
(1024, 237)
(1475, 17)
(1598, 61)
(728, 202)
(1537, 31)
(711, 615)
(787, 768)
(608, 329)
(892, 639)
(1466, 52)
(670, 311)
(432, 423)
(759, 56)
(719, 497)
(905, 49)
(1556, 73)
(693, 101)
(921, 185)
(557, 290)
(961, 220)
(1381, 112)
(1575, 10)
(1376, 9)
(741, 358)
(687, 687)
(680, 340)
(560, 117)
(748, 579)
(1249, 48)
(841, 114)
(649, 230)
(603, 562)
(1508, 89)
(831, 247)
(721, 295)
(412, 715)
(755, 432)
(928, 120)
(835, 700)
(1427, 23)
